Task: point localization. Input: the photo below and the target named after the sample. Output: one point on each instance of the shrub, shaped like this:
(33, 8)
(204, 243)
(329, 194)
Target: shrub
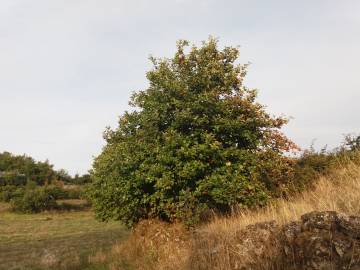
(12, 178)
(56, 192)
(7, 193)
(34, 201)
(60, 193)
(312, 163)
(197, 140)
(309, 166)
(75, 194)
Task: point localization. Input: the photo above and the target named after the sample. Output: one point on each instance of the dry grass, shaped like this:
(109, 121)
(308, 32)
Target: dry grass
(76, 202)
(339, 191)
(4, 207)
(219, 244)
(153, 245)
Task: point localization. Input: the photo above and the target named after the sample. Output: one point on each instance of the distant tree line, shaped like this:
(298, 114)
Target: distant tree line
(33, 186)
(19, 169)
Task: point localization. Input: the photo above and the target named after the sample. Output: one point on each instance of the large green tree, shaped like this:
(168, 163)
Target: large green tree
(196, 140)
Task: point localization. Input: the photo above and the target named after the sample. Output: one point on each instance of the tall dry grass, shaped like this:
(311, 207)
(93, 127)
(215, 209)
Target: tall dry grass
(227, 243)
(220, 244)
(153, 245)
(337, 191)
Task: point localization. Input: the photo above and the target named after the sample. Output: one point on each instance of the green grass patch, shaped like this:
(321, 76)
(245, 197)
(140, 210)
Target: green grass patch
(55, 240)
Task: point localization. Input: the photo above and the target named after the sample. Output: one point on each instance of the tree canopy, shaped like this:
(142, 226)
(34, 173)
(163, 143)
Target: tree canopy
(18, 169)
(196, 140)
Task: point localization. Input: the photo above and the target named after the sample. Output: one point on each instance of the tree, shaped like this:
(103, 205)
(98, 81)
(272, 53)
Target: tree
(25, 168)
(196, 140)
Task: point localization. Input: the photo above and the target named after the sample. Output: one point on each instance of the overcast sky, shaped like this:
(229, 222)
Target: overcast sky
(67, 68)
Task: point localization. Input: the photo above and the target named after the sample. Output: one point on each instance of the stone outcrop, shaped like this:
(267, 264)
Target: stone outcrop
(321, 240)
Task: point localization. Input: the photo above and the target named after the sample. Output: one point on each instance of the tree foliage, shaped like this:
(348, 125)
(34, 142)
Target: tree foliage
(34, 200)
(196, 140)
(18, 169)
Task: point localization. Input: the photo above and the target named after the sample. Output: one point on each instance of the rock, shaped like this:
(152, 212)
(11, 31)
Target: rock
(243, 250)
(319, 241)
(318, 220)
(350, 226)
(256, 240)
(322, 240)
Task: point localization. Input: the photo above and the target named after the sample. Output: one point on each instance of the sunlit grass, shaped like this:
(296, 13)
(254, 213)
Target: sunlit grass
(67, 237)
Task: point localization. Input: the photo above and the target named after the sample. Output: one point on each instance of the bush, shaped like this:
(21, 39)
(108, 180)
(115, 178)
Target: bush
(12, 178)
(7, 193)
(75, 194)
(197, 140)
(311, 164)
(56, 192)
(34, 201)
(60, 193)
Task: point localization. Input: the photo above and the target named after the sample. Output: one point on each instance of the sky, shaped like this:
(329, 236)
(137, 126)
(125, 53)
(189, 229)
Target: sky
(68, 68)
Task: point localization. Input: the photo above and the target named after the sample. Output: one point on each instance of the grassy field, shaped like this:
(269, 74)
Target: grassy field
(57, 240)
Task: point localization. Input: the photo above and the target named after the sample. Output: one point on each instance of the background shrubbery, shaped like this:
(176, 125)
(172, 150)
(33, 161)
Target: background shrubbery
(34, 200)
(18, 169)
(313, 163)
(60, 193)
(32, 186)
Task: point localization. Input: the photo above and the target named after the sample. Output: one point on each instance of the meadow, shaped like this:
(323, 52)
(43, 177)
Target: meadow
(54, 240)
